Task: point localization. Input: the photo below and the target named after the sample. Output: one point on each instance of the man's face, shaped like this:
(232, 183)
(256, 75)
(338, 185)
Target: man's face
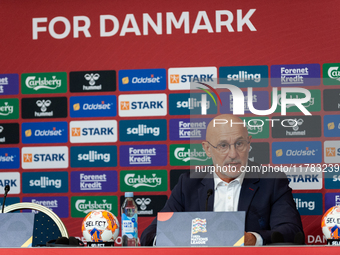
(232, 160)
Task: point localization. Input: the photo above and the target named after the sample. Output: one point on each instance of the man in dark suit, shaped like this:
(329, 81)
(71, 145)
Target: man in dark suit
(238, 185)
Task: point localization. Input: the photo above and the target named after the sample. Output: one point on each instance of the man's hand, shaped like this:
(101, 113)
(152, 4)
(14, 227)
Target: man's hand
(249, 239)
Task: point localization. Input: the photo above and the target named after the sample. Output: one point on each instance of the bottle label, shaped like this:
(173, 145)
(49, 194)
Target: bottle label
(129, 226)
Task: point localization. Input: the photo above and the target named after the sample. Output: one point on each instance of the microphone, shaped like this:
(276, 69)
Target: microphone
(7, 188)
(209, 193)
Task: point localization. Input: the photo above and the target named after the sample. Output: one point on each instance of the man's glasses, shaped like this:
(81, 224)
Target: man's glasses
(224, 147)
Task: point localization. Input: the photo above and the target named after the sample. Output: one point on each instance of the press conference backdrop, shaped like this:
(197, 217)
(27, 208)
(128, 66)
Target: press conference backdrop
(94, 97)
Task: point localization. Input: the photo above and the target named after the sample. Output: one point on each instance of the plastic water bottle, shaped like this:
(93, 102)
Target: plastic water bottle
(129, 221)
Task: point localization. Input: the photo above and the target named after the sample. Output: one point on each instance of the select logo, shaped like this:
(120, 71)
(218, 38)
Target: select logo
(12, 179)
(59, 205)
(332, 151)
(331, 74)
(44, 157)
(143, 155)
(94, 156)
(94, 181)
(148, 206)
(189, 103)
(305, 179)
(260, 101)
(244, 76)
(180, 78)
(331, 125)
(9, 109)
(142, 105)
(100, 131)
(331, 99)
(44, 132)
(142, 130)
(186, 129)
(93, 106)
(43, 83)
(295, 75)
(93, 81)
(44, 107)
(9, 84)
(142, 79)
(9, 158)
(296, 152)
(9, 133)
(144, 180)
(188, 154)
(45, 182)
(308, 204)
(81, 206)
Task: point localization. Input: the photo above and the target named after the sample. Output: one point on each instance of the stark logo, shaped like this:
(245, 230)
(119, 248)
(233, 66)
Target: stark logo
(330, 152)
(28, 158)
(125, 105)
(174, 78)
(75, 131)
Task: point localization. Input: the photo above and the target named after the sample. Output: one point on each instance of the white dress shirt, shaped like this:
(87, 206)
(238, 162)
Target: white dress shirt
(227, 196)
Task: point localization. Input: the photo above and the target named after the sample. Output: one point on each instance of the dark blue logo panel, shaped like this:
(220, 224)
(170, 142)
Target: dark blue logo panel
(142, 130)
(308, 203)
(331, 125)
(93, 106)
(332, 177)
(142, 79)
(9, 158)
(44, 132)
(93, 156)
(45, 182)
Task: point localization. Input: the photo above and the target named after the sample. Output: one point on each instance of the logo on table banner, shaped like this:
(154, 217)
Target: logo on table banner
(186, 129)
(292, 75)
(313, 105)
(297, 126)
(260, 101)
(9, 109)
(189, 103)
(43, 83)
(308, 203)
(12, 179)
(142, 79)
(143, 155)
(93, 106)
(93, 81)
(94, 156)
(244, 76)
(332, 151)
(296, 152)
(259, 152)
(180, 78)
(144, 180)
(305, 179)
(148, 206)
(331, 125)
(9, 158)
(331, 74)
(332, 177)
(9, 84)
(59, 205)
(94, 181)
(45, 182)
(9, 133)
(143, 130)
(188, 154)
(99, 131)
(44, 132)
(81, 206)
(332, 199)
(44, 107)
(44, 157)
(331, 99)
(258, 127)
(142, 105)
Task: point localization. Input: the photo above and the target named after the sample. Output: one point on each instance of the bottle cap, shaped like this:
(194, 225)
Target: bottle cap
(128, 194)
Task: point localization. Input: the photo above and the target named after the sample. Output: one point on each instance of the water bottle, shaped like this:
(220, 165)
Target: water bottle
(129, 221)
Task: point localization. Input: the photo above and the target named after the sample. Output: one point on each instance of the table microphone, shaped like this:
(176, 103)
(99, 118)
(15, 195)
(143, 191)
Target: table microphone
(7, 188)
(209, 193)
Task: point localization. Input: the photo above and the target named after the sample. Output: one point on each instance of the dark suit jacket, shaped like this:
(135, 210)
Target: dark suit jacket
(266, 199)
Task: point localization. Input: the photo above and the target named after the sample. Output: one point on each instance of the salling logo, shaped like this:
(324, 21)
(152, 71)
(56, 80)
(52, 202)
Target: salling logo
(303, 204)
(142, 130)
(92, 182)
(44, 157)
(245, 105)
(92, 78)
(44, 182)
(141, 156)
(6, 109)
(145, 181)
(334, 73)
(94, 156)
(87, 206)
(192, 103)
(194, 154)
(36, 84)
(243, 76)
(191, 129)
(43, 104)
(143, 203)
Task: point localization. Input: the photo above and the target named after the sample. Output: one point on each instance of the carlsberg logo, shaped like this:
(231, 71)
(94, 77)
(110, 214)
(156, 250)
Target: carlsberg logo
(194, 154)
(87, 206)
(38, 83)
(139, 181)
